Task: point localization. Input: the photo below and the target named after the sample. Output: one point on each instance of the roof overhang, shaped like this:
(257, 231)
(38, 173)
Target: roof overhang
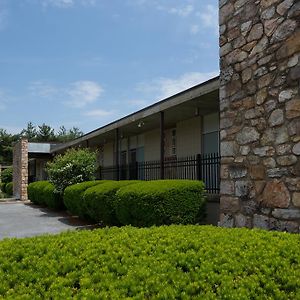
(201, 98)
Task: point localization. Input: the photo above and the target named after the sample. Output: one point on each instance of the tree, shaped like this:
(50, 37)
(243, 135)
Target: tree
(64, 135)
(30, 132)
(76, 165)
(6, 148)
(62, 131)
(75, 133)
(45, 133)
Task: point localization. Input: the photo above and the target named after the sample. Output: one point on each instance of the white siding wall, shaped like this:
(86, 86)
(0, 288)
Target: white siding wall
(188, 134)
(152, 145)
(108, 155)
(168, 142)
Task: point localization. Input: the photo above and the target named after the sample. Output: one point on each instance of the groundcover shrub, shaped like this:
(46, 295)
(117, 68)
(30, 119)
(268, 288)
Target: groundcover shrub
(73, 197)
(2, 187)
(168, 262)
(9, 188)
(99, 201)
(161, 202)
(43, 193)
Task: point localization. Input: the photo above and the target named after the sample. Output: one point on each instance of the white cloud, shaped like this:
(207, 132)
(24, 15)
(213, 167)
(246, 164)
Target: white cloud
(98, 113)
(196, 16)
(182, 11)
(210, 17)
(57, 3)
(77, 94)
(166, 87)
(66, 3)
(83, 92)
(42, 89)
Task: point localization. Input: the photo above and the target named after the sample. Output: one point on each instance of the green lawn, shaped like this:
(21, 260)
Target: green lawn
(175, 262)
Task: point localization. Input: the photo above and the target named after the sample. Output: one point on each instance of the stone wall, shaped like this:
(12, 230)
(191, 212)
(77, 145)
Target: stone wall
(20, 169)
(260, 113)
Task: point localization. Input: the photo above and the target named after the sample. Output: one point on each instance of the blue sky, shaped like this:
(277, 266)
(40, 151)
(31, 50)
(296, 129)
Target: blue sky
(85, 63)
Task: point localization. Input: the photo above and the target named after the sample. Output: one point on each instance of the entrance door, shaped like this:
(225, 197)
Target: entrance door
(123, 161)
(133, 172)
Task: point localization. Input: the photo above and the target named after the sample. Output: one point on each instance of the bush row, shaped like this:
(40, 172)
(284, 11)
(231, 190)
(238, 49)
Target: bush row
(139, 203)
(167, 262)
(7, 188)
(43, 193)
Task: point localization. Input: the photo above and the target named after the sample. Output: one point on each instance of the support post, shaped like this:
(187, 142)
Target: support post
(20, 169)
(162, 145)
(117, 154)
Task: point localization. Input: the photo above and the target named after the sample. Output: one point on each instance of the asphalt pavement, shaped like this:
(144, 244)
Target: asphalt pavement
(18, 219)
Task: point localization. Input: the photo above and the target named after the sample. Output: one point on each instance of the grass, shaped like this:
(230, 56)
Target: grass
(167, 262)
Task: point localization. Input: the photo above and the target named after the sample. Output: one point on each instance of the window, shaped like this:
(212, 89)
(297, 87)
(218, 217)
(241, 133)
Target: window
(173, 145)
(210, 134)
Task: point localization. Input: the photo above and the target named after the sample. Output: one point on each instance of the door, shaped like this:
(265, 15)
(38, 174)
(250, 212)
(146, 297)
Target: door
(123, 162)
(133, 165)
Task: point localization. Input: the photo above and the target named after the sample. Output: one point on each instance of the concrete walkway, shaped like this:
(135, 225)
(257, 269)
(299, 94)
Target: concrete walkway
(23, 220)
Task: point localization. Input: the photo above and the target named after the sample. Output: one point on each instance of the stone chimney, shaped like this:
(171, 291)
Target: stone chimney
(260, 114)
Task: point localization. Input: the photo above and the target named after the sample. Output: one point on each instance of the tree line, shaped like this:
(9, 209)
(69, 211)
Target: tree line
(40, 133)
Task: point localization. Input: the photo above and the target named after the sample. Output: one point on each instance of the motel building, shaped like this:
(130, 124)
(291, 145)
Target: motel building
(239, 133)
(176, 138)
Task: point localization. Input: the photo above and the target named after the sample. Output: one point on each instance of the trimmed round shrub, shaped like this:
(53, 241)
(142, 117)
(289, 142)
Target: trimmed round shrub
(35, 192)
(99, 201)
(43, 193)
(51, 197)
(161, 202)
(73, 197)
(9, 189)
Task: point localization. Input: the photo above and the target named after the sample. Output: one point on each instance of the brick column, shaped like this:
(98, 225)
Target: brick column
(20, 169)
(260, 114)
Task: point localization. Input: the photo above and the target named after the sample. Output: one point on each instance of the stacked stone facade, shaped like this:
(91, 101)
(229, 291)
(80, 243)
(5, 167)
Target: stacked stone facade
(20, 169)
(260, 114)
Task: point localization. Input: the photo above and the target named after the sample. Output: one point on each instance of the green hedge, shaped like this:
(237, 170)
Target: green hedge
(42, 193)
(2, 187)
(99, 201)
(73, 197)
(161, 202)
(35, 192)
(167, 262)
(53, 199)
(9, 190)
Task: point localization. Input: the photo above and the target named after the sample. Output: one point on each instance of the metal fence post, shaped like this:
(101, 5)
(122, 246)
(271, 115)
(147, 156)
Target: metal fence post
(199, 166)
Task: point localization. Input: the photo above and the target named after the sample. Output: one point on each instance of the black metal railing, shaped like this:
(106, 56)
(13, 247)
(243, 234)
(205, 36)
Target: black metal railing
(199, 167)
